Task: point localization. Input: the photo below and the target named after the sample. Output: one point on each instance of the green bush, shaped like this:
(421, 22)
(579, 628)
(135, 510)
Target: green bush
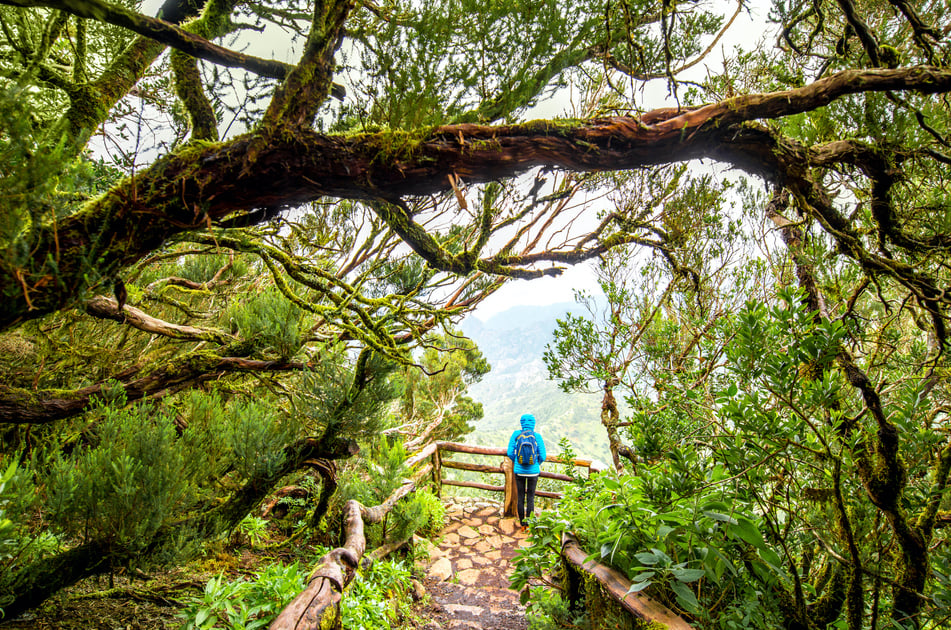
(245, 604)
(124, 486)
(271, 321)
(420, 513)
(378, 598)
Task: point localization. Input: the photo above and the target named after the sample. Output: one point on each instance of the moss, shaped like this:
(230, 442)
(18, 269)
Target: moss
(551, 127)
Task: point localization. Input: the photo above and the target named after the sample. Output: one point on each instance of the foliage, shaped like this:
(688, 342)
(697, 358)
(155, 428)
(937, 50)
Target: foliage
(283, 235)
(377, 598)
(434, 389)
(244, 604)
(271, 320)
(728, 527)
(420, 513)
(253, 528)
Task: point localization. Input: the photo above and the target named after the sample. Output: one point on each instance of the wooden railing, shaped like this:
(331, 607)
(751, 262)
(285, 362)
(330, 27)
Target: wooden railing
(504, 467)
(317, 607)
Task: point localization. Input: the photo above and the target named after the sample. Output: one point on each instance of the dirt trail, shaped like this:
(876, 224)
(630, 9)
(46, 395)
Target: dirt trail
(468, 573)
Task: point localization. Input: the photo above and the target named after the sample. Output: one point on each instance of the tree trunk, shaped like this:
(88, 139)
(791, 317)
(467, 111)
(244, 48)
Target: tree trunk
(609, 418)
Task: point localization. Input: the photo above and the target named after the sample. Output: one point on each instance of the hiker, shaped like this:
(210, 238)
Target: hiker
(527, 451)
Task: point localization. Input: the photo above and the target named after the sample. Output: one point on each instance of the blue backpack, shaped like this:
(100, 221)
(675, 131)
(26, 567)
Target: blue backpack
(526, 448)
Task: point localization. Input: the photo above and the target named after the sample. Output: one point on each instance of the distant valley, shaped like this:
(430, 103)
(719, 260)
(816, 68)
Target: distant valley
(513, 342)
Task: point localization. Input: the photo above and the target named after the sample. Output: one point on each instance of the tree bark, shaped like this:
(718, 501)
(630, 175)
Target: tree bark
(187, 189)
(317, 607)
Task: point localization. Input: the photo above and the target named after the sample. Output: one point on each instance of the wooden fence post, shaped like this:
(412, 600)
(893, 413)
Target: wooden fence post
(437, 472)
(510, 505)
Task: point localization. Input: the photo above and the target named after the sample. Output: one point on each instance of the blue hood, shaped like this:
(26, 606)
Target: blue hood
(528, 422)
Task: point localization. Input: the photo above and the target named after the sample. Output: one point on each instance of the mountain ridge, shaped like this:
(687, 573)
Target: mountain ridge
(513, 342)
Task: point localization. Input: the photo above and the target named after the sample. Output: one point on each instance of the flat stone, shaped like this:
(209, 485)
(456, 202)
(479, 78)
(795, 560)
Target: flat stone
(483, 547)
(495, 541)
(524, 543)
(463, 564)
(441, 570)
(488, 511)
(450, 528)
(494, 555)
(508, 526)
(467, 532)
(486, 530)
(481, 560)
(469, 576)
(492, 520)
(451, 539)
(475, 611)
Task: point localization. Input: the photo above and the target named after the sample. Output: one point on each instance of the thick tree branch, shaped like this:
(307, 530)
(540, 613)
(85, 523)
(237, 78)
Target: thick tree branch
(21, 406)
(255, 171)
(107, 308)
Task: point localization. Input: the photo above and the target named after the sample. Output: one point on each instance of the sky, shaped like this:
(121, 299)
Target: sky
(750, 26)
(549, 290)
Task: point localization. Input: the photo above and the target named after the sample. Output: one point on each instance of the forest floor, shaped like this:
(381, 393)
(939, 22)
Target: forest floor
(465, 580)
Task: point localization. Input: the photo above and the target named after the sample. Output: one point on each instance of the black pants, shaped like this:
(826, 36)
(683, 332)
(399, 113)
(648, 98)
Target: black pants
(525, 489)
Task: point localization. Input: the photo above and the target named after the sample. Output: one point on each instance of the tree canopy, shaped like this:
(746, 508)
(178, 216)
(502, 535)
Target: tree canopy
(236, 238)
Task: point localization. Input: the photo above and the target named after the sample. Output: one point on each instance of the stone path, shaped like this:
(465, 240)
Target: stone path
(467, 576)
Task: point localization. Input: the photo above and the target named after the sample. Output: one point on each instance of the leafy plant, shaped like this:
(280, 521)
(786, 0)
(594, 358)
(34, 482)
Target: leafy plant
(253, 529)
(242, 604)
(377, 598)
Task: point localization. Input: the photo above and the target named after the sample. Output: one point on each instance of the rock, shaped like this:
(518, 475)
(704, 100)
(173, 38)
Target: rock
(488, 511)
(508, 526)
(486, 530)
(441, 570)
(494, 555)
(469, 576)
(495, 542)
(451, 539)
(463, 564)
(452, 609)
(467, 532)
(483, 547)
(419, 591)
(426, 546)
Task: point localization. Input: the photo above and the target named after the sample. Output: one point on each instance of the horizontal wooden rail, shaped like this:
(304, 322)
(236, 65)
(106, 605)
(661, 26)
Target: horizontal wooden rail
(473, 484)
(506, 467)
(616, 585)
(486, 468)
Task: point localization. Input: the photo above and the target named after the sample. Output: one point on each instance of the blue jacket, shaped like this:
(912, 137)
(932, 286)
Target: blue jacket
(528, 424)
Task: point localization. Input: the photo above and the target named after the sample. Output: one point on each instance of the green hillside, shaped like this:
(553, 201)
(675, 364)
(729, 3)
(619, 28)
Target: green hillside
(513, 343)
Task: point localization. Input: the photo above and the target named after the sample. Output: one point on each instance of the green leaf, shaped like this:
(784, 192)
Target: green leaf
(646, 557)
(720, 516)
(685, 597)
(637, 587)
(770, 557)
(688, 575)
(748, 532)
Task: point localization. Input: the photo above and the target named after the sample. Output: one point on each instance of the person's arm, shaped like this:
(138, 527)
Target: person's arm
(511, 449)
(541, 450)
